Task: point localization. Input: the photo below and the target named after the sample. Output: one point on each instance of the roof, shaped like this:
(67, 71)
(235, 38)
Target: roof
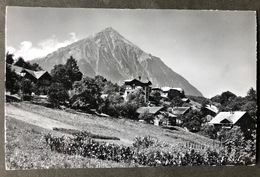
(166, 89)
(232, 117)
(35, 74)
(179, 89)
(17, 69)
(129, 81)
(171, 115)
(194, 103)
(212, 108)
(39, 74)
(185, 99)
(180, 110)
(151, 110)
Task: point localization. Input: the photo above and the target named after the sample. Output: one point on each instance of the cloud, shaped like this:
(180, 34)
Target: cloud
(28, 51)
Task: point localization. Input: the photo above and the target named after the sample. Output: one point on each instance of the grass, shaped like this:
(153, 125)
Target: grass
(125, 130)
(94, 136)
(26, 149)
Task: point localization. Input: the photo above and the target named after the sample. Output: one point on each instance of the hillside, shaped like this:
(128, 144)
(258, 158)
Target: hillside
(109, 54)
(24, 136)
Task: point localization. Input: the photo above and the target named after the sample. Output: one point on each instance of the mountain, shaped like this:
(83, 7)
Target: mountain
(109, 54)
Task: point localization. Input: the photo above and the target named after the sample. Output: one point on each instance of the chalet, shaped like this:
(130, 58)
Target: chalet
(42, 78)
(228, 119)
(209, 110)
(194, 105)
(178, 112)
(173, 92)
(133, 84)
(156, 89)
(155, 111)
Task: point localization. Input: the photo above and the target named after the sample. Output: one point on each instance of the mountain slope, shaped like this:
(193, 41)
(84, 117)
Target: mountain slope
(109, 54)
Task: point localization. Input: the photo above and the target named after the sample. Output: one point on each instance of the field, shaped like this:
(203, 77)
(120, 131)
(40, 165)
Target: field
(26, 125)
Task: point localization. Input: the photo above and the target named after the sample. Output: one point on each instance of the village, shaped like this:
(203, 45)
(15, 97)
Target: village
(165, 106)
(126, 124)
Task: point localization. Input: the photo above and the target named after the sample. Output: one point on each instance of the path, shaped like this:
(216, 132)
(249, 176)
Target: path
(35, 119)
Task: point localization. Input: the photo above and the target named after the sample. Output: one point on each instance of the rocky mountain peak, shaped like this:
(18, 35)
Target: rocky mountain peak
(111, 55)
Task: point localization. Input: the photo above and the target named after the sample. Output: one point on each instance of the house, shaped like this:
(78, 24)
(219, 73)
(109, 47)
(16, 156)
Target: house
(42, 78)
(172, 92)
(228, 119)
(194, 105)
(209, 110)
(155, 111)
(178, 112)
(133, 84)
(172, 119)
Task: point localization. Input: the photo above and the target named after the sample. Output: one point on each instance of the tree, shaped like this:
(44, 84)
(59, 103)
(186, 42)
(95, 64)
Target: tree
(12, 82)
(20, 62)
(226, 97)
(87, 92)
(35, 67)
(209, 131)
(251, 108)
(138, 97)
(216, 98)
(112, 105)
(26, 86)
(9, 58)
(59, 75)
(72, 70)
(251, 95)
(177, 101)
(156, 97)
(110, 87)
(193, 120)
(67, 74)
(27, 65)
(57, 94)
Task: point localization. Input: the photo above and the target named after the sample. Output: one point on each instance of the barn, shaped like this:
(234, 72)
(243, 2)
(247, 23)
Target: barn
(227, 120)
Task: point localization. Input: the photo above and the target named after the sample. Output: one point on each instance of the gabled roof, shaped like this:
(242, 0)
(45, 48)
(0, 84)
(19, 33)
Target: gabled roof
(39, 74)
(212, 108)
(35, 74)
(180, 110)
(151, 110)
(230, 116)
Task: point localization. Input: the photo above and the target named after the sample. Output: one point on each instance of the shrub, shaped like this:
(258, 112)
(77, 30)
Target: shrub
(82, 145)
(144, 142)
(27, 97)
(208, 131)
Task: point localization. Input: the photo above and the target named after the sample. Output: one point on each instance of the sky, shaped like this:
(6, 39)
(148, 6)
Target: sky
(214, 50)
